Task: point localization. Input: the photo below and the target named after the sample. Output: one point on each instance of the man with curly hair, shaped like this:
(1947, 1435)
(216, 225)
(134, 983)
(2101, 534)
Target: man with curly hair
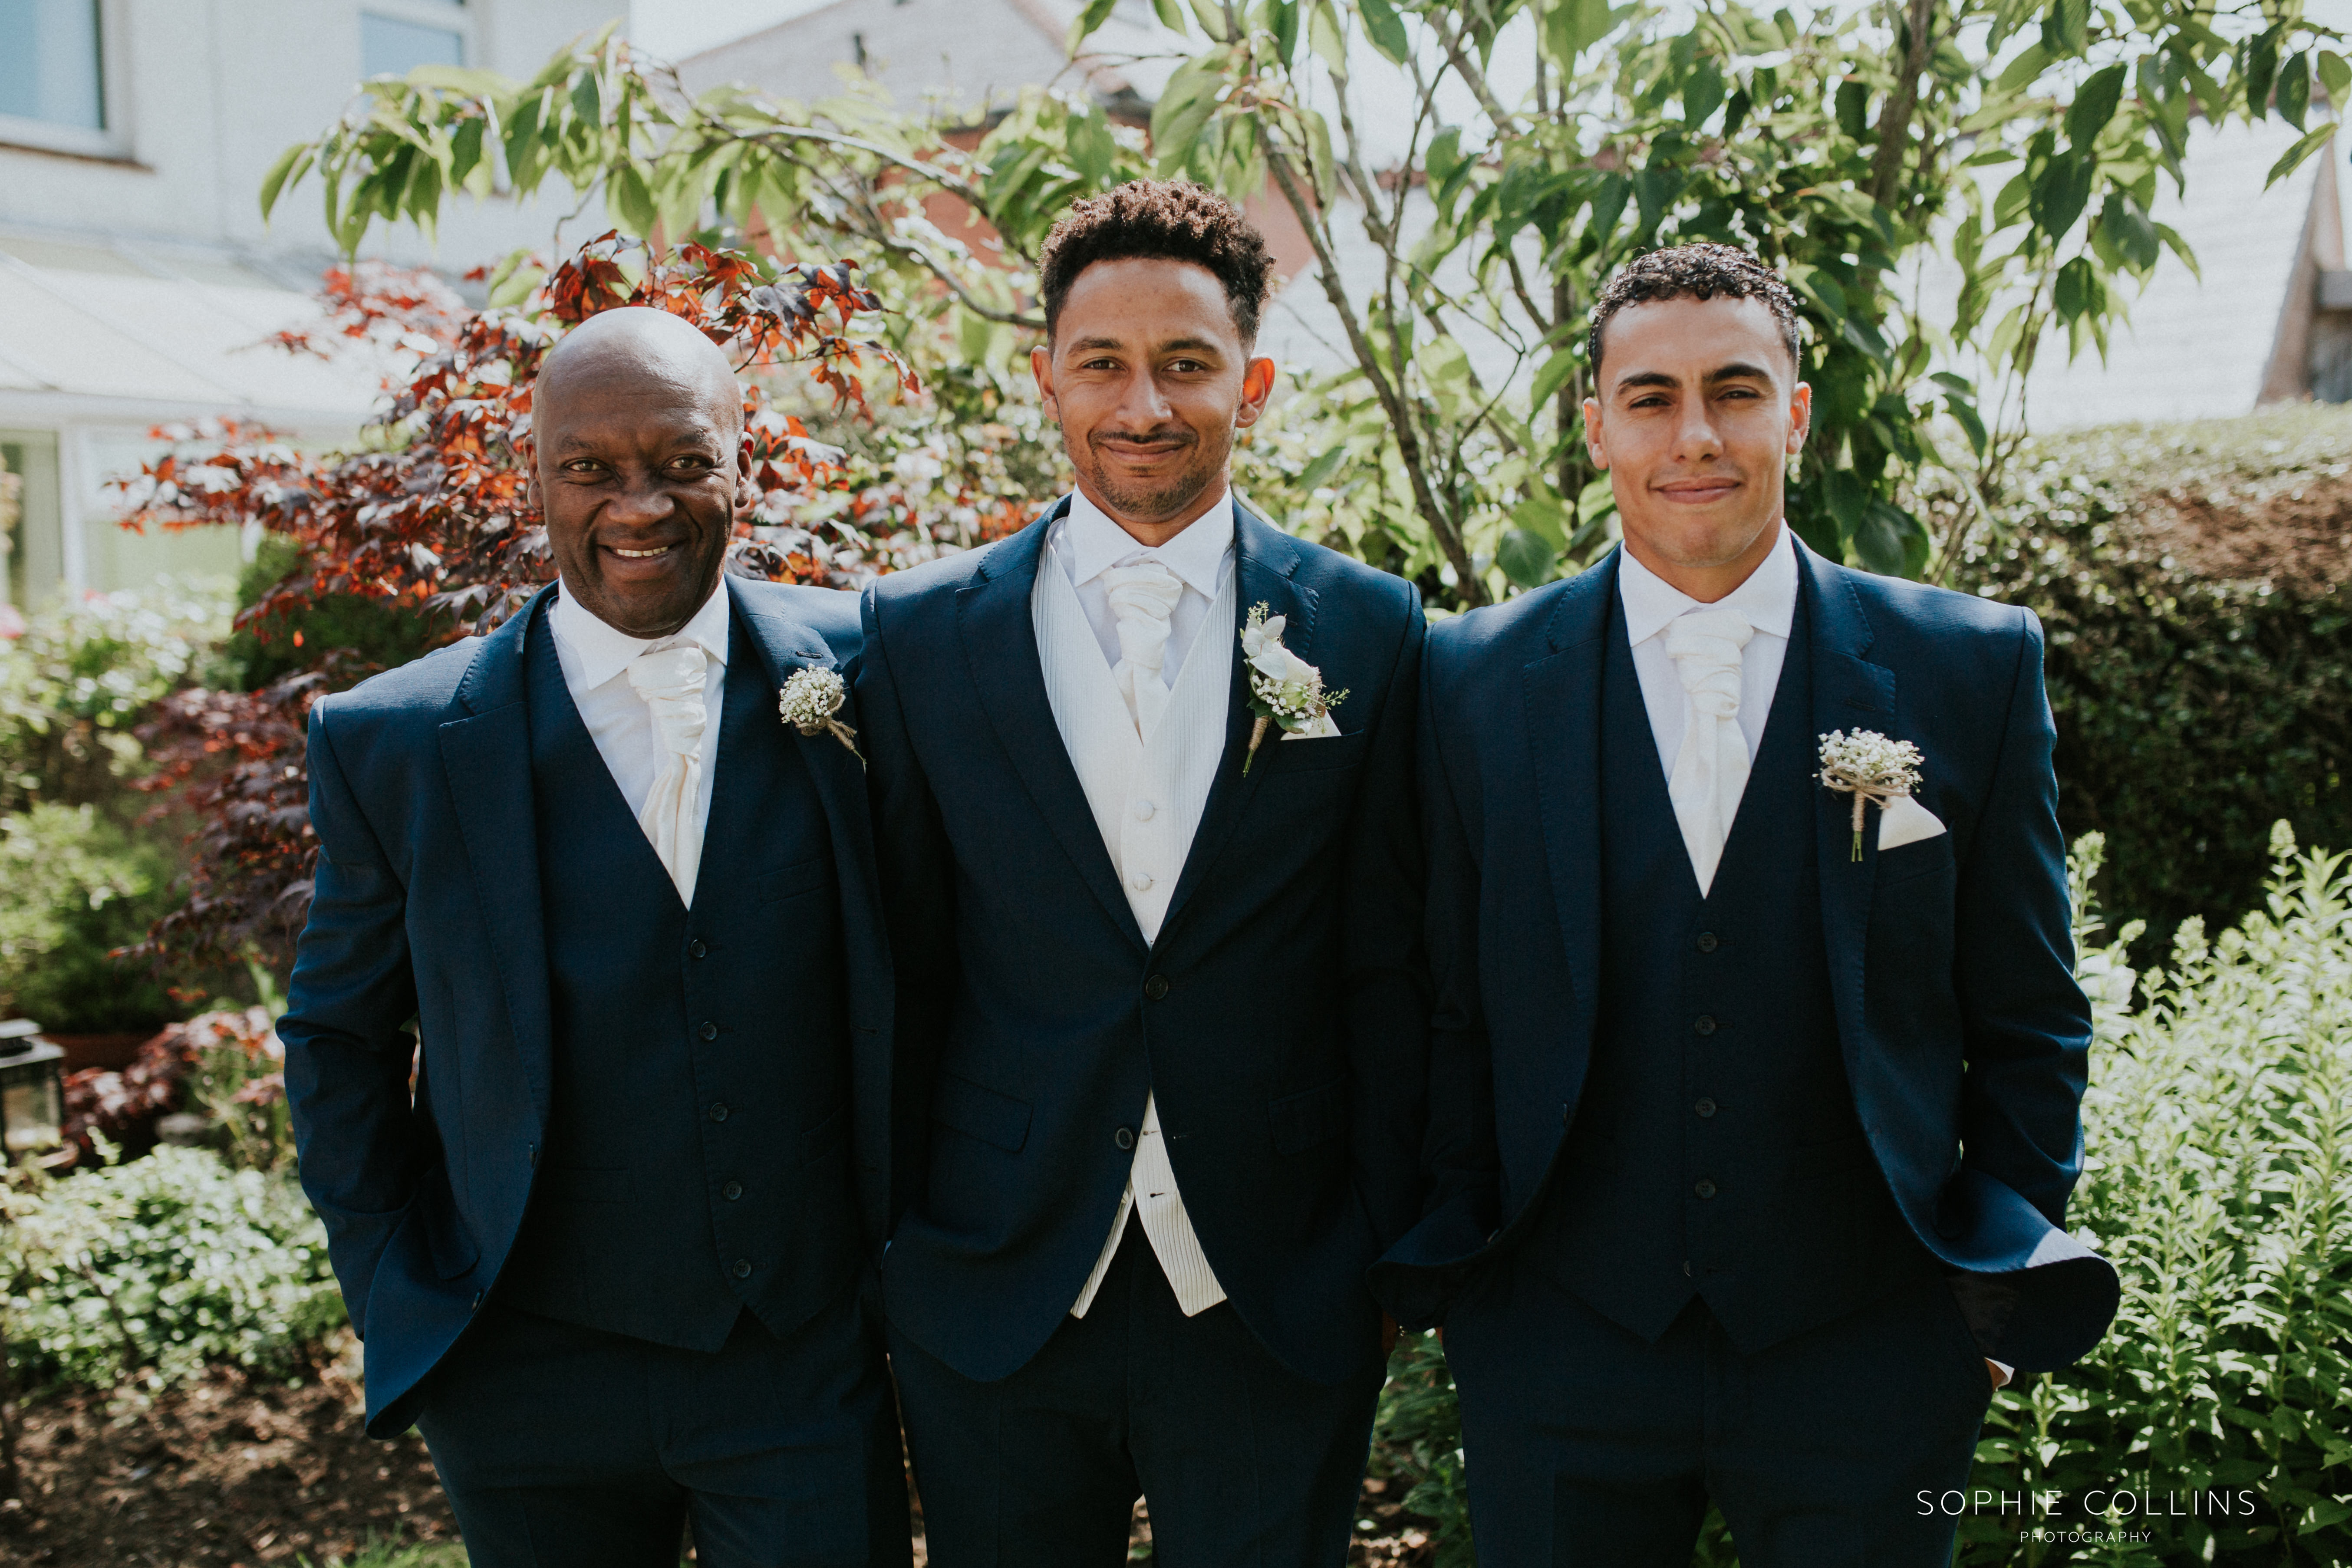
(1163, 1029)
(1753, 1133)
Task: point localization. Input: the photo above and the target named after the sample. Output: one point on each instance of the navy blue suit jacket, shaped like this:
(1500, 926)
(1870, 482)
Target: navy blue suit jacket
(426, 911)
(1964, 1035)
(1280, 1018)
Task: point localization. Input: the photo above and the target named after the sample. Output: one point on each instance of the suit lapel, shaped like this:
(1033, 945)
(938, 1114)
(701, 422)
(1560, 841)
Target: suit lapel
(1564, 728)
(785, 647)
(486, 758)
(1000, 643)
(1266, 567)
(1849, 692)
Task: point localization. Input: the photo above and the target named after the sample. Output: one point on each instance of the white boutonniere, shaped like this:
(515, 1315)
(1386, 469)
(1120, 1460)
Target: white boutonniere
(1285, 688)
(1869, 767)
(809, 702)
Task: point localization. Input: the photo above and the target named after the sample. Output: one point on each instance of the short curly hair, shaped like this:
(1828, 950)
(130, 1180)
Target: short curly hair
(1171, 220)
(1697, 271)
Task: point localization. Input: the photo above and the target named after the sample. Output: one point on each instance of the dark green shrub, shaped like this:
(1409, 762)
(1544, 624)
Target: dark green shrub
(76, 884)
(2192, 579)
(378, 632)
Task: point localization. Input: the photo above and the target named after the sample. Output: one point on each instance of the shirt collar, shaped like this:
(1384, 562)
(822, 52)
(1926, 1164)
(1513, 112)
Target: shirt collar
(603, 651)
(1092, 544)
(1768, 597)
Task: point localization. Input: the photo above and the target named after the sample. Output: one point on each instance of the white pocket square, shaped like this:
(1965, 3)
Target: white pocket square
(1905, 821)
(1320, 728)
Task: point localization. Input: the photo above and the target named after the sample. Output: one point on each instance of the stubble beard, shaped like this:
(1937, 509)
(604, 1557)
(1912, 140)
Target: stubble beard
(1163, 503)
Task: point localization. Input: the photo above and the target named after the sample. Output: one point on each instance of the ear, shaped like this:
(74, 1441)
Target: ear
(747, 491)
(1596, 445)
(528, 450)
(1257, 385)
(1800, 416)
(1041, 365)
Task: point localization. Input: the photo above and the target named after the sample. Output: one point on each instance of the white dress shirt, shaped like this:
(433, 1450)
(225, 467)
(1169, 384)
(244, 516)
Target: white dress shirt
(596, 659)
(1768, 601)
(1147, 792)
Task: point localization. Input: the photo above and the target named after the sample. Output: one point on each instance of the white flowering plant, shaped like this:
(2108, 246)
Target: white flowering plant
(1868, 766)
(810, 701)
(1285, 690)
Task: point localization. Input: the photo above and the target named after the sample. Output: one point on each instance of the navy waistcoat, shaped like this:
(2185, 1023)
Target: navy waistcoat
(1716, 1152)
(697, 1159)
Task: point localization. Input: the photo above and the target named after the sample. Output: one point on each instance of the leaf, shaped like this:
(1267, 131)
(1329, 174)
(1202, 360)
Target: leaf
(1285, 30)
(1702, 92)
(2295, 88)
(1853, 108)
(1890, 540)
(2076, 289)
(2336, 75)
(1385, 28)
(632, 203)
(1092, 151)
(1824, 290)
(1323, 36)
(1965, 412)
(1211, 15)
(2125, 222)
(1541, 514)
(1319, 473)
(2065, 28)
(2061, 194)
(2022, 71)
(2094, 105)
(2262, 69)
(1184, 106)
(1527, 559)
(290, 166)
(1554, 375)
(1171, 17)
(2292, 159)
(1084, 24)
(1595, 500)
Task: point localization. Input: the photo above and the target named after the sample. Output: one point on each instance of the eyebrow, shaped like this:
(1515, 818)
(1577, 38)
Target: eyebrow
(1738, 370)
(1193, 344)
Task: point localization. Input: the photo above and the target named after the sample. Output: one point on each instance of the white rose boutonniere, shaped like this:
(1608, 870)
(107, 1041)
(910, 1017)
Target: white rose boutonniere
(809, 702)
(1869, 767)
(1285, 688)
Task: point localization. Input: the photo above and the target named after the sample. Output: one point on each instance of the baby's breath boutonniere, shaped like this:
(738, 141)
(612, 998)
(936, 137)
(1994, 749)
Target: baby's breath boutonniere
(809, 702)
(1869, 767)
(1285, 688)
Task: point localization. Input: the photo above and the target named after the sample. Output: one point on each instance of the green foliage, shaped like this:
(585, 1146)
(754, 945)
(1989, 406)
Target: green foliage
(1417, 1446)
(145, 1271)
(2200, 653)
(75, 885)
(2218, 1175)
(85, 674)
(378, 632)
(395, 1554)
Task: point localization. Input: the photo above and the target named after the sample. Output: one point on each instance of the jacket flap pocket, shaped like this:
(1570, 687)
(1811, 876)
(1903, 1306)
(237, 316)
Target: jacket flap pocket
(827, 1137)
(1921, 858)
(1303, 1120)
(801, 877)
(585, 1184)
(982, 1114)
(1311, 756)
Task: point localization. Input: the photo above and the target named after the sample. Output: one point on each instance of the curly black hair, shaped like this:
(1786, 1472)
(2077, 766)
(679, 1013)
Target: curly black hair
(1172, 220)
(1698, 271)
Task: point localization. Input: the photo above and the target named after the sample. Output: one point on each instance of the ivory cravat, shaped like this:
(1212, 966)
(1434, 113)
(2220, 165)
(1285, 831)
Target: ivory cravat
(1711, 770)
(1142, 597)
(670, 681)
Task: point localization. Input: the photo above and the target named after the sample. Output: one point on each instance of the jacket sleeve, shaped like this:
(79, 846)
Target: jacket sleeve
(1385, 982)
(917, 871)
(348, 1045)
(2026, 1026)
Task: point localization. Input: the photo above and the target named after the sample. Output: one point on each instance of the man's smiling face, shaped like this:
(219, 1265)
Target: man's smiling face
(1697, 411)
(638, 468)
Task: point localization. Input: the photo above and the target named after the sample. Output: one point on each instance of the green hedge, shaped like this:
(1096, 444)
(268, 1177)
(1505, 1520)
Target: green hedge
(2192, 582)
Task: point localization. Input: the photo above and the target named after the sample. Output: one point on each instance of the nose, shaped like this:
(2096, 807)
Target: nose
(1695, 440)
(1143, 405)
(638, 504)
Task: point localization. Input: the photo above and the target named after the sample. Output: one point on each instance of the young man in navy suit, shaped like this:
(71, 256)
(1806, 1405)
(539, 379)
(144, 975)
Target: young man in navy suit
(1752, 1137)
(1162, 1014)
(610, 1255)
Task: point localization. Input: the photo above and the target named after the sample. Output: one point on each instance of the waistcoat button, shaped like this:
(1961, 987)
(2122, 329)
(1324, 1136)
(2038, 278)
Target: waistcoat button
(1143, 810)
(1705, 1024)
(709, 1031)
(731, 1190)
(696, 949)
(742, 1268)
(1707, 942)
(1705, 1108)
(1156, 987)
(1704, 1189)
(719, 1112)
(1124, 1137)
(1140, 881)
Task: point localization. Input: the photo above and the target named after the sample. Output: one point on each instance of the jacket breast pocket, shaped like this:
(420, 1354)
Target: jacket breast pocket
(788, 882)
(983, 1113)
(1313, 756)
(1912, 861)
(827, 1137)
(1304, 1122)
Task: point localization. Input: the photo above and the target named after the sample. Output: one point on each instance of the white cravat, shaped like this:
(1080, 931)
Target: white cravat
(670, 681)
(1767, 603)
(1142, 598)
(1710, 771)
(634, 736)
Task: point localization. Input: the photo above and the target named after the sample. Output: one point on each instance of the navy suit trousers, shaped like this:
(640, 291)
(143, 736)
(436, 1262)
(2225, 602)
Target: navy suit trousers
(1245, 1462)
(1589, 1446)
(566, 1446)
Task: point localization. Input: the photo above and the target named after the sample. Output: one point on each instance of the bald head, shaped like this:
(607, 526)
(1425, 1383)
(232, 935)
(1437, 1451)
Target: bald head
(638, 466)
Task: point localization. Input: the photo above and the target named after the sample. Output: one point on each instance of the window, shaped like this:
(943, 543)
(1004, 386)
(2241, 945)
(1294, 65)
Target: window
(50, 66)
(391, 47)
